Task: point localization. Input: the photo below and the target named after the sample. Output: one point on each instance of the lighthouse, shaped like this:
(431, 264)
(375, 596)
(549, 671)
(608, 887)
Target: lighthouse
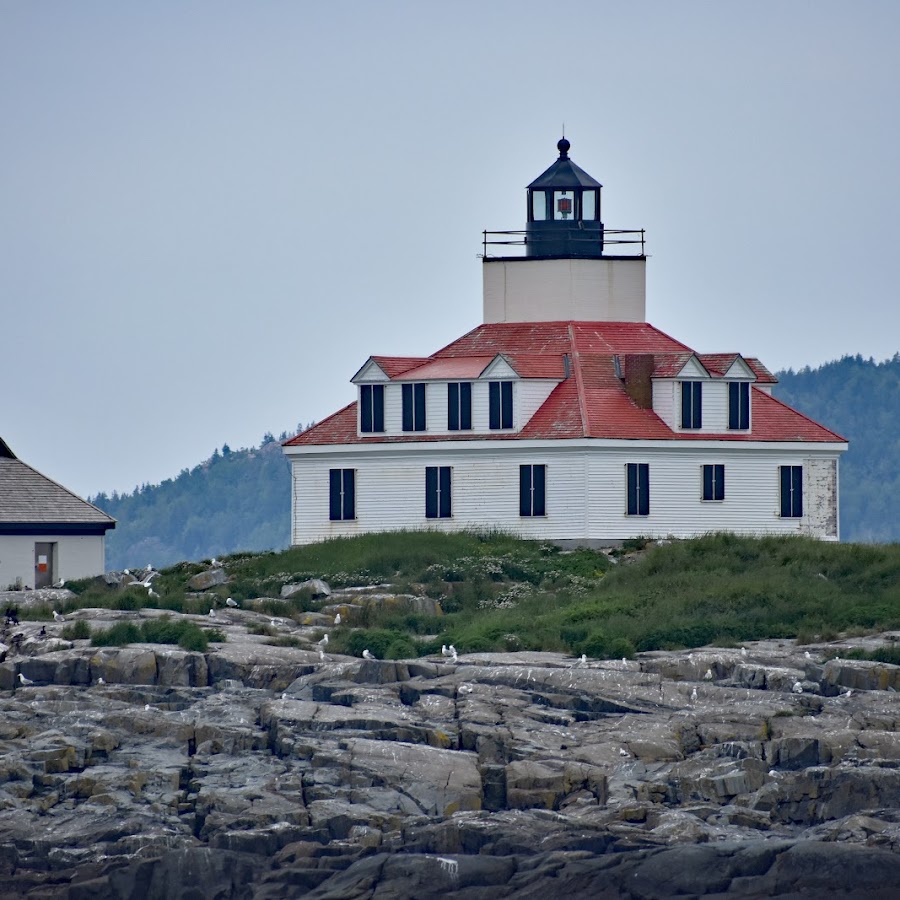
(572, 267)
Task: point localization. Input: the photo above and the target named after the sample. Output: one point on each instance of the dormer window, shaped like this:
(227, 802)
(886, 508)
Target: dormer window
(371, 408)
(691, 404)
(739, 406)
(501, 405)
(413, 407)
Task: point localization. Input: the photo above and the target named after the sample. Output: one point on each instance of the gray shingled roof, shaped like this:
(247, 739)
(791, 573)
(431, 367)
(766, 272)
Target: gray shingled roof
(26, 496)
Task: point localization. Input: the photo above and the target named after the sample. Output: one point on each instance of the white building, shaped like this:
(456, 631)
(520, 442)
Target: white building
(566, 416)
(47, 533)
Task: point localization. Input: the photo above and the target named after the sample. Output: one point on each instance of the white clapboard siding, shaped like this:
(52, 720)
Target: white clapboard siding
(586, 491)
(667, 405)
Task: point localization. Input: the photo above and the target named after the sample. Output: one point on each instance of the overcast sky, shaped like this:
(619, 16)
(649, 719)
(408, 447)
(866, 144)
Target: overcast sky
(212, 213)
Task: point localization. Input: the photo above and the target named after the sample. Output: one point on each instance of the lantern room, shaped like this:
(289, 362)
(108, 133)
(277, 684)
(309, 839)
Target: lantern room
(564, 211)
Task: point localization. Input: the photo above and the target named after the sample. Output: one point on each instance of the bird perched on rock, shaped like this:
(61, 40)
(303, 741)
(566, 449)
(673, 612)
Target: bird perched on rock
(101, 680)
(367, 655)
(146, 707)
(623, 752)
(324, 642)
(708, 676)
(57, 617)
(212, 613)
(337, 619)
(694, 695)
(583, 660)
(452, 650)
(23, 680)
(797, 688)
(807, 655)
(231, 603)
(453, 655)
(847, 694)
(445, 651)
(321, 655)
(743, 651)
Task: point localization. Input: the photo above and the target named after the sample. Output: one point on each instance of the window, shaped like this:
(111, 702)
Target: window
(589, 206)
(413, 407)
(563, 204)
(437, 492)
(538, 206)
(691, 404)
(342, 494)
(791, 492)
(459, 406)
(371, 407)
(714, 482)
(738, 405)
(501, 404)
(638, 477)
(532, 490)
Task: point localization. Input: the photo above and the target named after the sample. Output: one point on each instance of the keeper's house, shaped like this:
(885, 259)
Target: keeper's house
(566, 416)
(47, 533)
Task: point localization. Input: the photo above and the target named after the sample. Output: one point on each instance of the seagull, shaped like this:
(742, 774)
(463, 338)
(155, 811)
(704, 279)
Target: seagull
(337, 619)
(57, 617)
(797, 688)
(213, 562)
(708, 676)
(126, 571)
(231, 603)
(146, 707)
(807, 655)
(274, 622)
(151, 592)
(452, 650)
(324, 642)
(454, 657)
(101, 680)
(694, 695)
(624, 661)
(212, 613)
(149, 568)
(444, 650)
(321, 655)
(849, 692)
(623, 752)
(583, 660)
(367, 655)
(23, 680)
(743, 651)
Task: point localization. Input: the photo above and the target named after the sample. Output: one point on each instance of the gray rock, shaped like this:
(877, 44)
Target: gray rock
(203, 581)
(314, 586)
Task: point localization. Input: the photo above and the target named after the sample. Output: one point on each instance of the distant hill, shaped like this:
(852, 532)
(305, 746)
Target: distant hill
(860, 399)
(235, 500)
(241, 499)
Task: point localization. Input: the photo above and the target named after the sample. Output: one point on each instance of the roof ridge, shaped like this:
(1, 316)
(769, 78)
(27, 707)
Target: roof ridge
(579, 382)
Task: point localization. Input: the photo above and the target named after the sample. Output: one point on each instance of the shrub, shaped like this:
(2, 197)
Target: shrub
(78, 631)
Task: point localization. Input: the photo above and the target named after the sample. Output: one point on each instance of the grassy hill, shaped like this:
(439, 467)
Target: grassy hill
(501, 594)
(240, 500)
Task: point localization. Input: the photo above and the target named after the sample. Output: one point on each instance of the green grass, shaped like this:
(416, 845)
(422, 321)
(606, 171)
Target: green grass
(499, 593)
(163, 630)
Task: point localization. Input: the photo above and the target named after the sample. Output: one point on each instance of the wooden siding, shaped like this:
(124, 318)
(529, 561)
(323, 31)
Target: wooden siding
(585, 491)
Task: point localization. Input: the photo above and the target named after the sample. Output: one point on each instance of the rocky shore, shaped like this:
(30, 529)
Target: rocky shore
(261, 771)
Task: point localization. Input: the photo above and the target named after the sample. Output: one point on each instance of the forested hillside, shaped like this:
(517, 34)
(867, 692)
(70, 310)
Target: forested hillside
(240, 500)
(235, 500)
(860, 399)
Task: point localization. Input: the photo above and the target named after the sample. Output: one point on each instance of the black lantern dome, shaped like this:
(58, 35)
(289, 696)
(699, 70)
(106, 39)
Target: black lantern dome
(564, 211)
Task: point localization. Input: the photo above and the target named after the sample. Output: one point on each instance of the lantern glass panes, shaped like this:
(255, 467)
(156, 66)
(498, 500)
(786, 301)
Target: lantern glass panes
(588, 206)
(564, 205)
(538, 206)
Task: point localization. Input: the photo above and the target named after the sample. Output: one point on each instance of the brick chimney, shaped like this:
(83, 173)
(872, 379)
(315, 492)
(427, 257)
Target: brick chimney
(636, 374)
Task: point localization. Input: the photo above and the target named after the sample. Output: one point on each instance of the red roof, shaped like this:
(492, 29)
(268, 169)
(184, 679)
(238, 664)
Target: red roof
(590, 401)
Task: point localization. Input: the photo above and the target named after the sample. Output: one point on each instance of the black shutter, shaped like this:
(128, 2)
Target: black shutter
(719, 493)
(334, 495)
(797, 492)
(365, 412)
(708, 491)
(378, 407)
(465, 403)
(745, 405)
(431, 492)
(420, 407)
(407, 407)
(644, 489)
(445, 507)
(494, 395)
(538, 480)
(524, 490)
(734, 420)
(686, 404)
(697, 405)
(506, 404)
(349, 493)
(785, 472)
(453, 406)
(632, 487)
